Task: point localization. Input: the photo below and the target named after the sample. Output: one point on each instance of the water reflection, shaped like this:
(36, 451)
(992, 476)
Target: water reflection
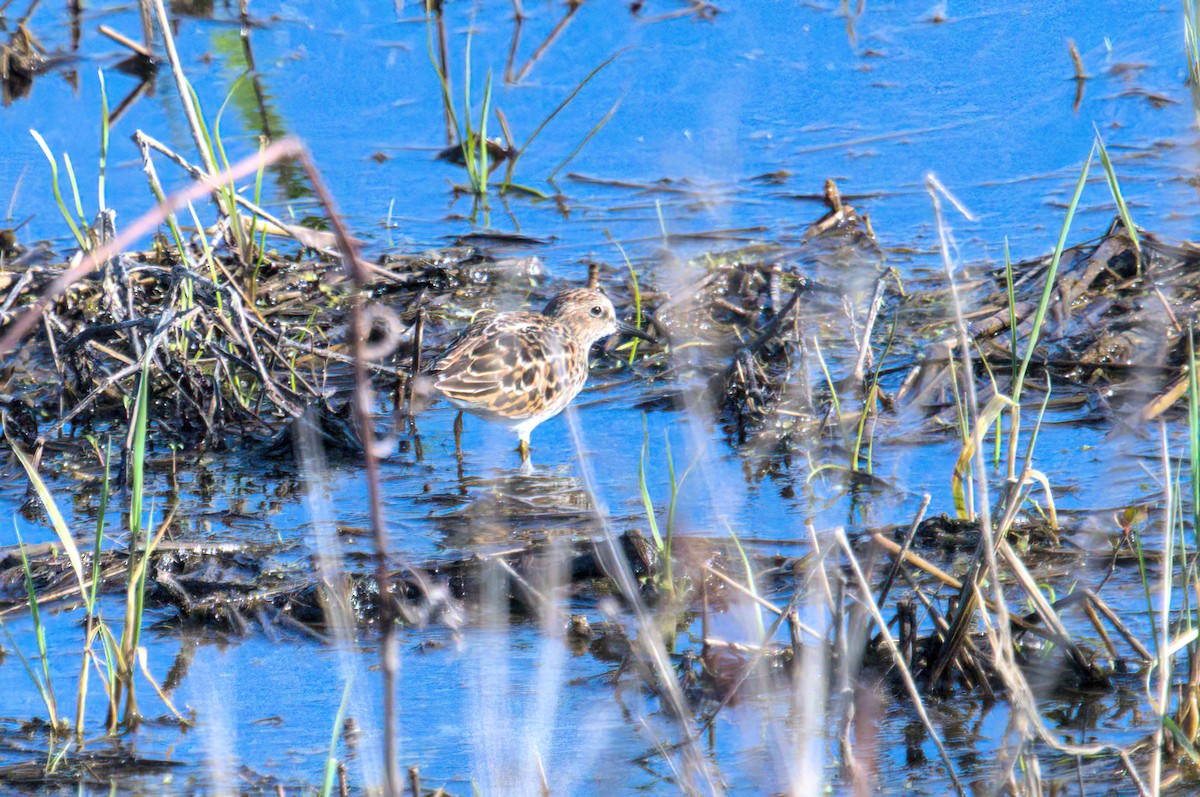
(486, 511)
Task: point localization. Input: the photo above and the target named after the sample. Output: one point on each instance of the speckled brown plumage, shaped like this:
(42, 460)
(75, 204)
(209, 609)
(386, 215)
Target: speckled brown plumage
(514, 365)
(522, 368)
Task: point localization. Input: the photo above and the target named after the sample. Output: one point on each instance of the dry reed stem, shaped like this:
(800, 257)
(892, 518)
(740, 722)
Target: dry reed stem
(984, 551)
(903, 551)
(389, 656)
(867, 599)
(182, 86)
(1122, 629)
(127, 42)
(766, 604)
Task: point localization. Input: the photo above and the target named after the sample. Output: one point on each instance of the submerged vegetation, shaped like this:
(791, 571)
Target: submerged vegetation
(212, 330)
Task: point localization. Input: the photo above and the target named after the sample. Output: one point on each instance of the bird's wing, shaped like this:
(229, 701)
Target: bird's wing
(512, 365)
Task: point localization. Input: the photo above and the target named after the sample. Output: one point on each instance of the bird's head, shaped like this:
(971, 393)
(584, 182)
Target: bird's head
(589, 315)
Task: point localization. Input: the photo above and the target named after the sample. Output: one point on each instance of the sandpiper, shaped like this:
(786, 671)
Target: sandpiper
(522, 368)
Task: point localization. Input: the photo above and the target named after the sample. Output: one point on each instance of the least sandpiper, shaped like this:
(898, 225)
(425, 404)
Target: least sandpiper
(522, 368)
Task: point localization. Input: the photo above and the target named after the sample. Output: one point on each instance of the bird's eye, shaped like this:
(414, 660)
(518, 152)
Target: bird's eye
(597, 311)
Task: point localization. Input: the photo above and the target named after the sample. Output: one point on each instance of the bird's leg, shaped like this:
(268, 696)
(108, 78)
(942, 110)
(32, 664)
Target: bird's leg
(458, 430)
(523, 449)
(458, 452)
(418, 449)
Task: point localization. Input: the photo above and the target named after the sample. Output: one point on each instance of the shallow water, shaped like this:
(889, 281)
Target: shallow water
(795, 91)
(726, 128)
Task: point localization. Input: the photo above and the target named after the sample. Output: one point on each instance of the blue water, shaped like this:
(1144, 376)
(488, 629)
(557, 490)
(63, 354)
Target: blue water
(726, 125)
(984, 100)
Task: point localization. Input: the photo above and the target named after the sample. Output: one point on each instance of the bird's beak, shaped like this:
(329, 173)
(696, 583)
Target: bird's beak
(634, 332)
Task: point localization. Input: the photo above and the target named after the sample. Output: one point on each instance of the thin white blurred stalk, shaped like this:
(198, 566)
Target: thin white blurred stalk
(696, 776)
(550, 665)
(1027, 721)
(218, 733)
(868, 600)
(1002, 650)
(492, 735)
(314, 475)
(811, 705)
(518, 752)
(513, 750)
(798, 747)
(800, 740)
(1166, 659)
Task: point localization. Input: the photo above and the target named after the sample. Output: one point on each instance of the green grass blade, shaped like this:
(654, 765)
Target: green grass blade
(511, 187)
(962, 468)
(258, 185)
(105, 123)
(637, 297)
(558, 108)
(483, 143)
(669, 564)
(101, 519)
(37, 682)
(586, 139)
(468, 141)
(1181, 739)
(1115, 189)
(833, 394)
(57, 522)
(216, 130)
(1014, 343)
(208, 141)
(646, 502)
(217, 144)
(1037, 426)
(138, 455)
(62, 206)
(39, 630)
(861, 430)
(1051, 274)
(1012, 302)
(751, 585)
(1191, 34)
(512, 162)
(869, 404)
(142, 568)
(676, 488)
(83, 224)
(1136, 533)
(331, 761)
(138, 534)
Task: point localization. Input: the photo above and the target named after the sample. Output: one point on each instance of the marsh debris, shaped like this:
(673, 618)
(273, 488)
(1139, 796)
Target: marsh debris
(751, 319)
(1117, 321)
(91, 767)
(244, 356)
(22, 58)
